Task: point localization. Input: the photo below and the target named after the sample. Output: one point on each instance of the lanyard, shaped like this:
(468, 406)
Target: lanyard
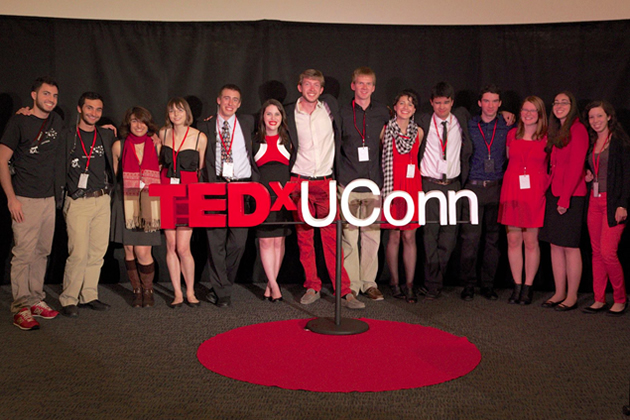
(89, 157)
(38, 138)
(596, 162)
(178, 149)
(489, 146)
(228, 150)
(354, 114)
(443, 144)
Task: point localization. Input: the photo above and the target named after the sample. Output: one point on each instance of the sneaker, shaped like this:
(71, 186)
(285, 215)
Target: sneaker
(42, 310)
(24, 320)
(350, 302)
(309, 297)
(374, 294)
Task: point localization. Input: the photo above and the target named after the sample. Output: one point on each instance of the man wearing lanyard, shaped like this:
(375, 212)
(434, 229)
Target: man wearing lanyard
(89, 176)
(362, 121)
(444, 155)
(315, 132)
(488, 132)
(31, 142)
(228, 159)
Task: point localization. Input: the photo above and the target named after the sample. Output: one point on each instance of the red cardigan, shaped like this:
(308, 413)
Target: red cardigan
(567, 166)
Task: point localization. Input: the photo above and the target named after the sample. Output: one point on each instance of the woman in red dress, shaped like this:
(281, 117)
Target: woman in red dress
(564, 215)
(401, 141)
(609, 171)
(522, 203)
(182, 155)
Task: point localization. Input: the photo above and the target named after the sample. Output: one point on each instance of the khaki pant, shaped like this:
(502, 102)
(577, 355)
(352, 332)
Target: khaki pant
(32, 244)
(87, 221)
(360, 245)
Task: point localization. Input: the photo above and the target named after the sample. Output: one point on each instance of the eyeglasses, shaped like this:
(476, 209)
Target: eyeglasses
(561, 103)
(529, 111)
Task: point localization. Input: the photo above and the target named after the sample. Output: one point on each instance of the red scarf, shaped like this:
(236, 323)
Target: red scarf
(141, 211)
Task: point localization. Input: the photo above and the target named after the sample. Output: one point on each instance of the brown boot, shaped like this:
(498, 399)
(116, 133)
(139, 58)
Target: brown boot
(134, 279)
(147, 272)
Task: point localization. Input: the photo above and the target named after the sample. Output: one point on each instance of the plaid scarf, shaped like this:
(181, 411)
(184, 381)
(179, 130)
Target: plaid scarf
(403, 142)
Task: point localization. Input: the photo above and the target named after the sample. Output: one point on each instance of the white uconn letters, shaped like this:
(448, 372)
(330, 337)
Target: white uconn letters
(451, 204)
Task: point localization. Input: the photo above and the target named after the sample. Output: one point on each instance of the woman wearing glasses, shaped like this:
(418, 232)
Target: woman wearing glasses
(568, 142)
(522, 203)
(608, 173)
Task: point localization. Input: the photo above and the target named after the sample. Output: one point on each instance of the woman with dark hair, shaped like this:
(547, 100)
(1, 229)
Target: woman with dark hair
(609, 174)
(182, 154)
(136, 215)
(522, 203)
(272, 153)
(568, 142)
(401, 141)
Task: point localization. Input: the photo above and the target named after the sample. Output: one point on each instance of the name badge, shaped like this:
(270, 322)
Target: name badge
(411, 170)
(228, 170)
(83, 181)
(174, 180)
(596, 189)
(364, 156)
(442, 166)
(488, 166)
(142, 185)
(524, 181)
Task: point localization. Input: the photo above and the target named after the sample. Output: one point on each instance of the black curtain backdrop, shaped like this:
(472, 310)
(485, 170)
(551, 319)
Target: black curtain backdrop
(146, 63)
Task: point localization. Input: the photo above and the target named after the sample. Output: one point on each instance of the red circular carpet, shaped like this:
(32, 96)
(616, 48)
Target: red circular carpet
(285, 355)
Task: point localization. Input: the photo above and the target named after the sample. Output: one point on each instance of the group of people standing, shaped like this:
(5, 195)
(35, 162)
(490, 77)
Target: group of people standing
(550, 161)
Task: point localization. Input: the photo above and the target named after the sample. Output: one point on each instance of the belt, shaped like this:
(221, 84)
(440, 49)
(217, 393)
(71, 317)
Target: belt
(440, 181)
(312, 178)
(484, 183)
(236, 179)
(97, 193)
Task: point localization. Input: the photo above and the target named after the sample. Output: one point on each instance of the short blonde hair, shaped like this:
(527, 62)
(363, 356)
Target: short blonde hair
(363, 71)
(312, 74)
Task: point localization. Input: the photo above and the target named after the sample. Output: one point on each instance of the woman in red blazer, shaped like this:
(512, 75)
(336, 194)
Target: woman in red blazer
(568, 141)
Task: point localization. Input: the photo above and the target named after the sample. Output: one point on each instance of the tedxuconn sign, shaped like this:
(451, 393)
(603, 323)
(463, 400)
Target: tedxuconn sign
(207, 204)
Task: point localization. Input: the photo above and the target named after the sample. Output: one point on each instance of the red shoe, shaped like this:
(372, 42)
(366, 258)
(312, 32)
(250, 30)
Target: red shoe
(24, 320)
(42, 310)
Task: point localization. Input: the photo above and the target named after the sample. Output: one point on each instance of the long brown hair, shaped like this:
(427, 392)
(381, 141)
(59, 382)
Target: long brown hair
(141, 114)
(283, 129)
(178, 103)
(615, 128)
(541, 126)
(559, 134)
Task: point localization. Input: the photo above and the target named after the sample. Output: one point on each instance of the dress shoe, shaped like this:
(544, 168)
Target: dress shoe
(174, 305)
(192, 304)
(591, 310)
(549, 304)
(429, 295)
(489, 293)
(561, 307)
(468, 293)
(274, 300)
(527, 295)
(310, 296)
(70, 310)
(374, 294)
(224, 302)
(96, 305)
(618, 313)
(516, 294)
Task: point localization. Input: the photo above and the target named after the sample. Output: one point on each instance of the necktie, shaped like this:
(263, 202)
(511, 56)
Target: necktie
(225, 133)
(444, 142)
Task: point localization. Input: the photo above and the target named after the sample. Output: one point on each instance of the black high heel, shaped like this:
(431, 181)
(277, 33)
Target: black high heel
(516, 294)
(526, 295)
(274, 300)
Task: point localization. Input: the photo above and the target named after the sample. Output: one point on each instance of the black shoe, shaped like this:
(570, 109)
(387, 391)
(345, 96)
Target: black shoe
(591, 310)
(468, 293)
(71, 310)
(410, 295)
(489, 293)
(429, 295)
(274, 300)
(224, 302)
(549, 304)
(527, 295)
(516, 294)
(618, 313)
(564, 308)
(97, 305)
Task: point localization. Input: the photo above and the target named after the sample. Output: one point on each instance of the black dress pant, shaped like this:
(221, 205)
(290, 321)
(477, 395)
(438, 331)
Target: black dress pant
(225, 250)
(488, 201)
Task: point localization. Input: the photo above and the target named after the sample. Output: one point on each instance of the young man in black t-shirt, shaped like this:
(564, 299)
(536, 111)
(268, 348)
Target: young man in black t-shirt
(31, 144)
(88, 176)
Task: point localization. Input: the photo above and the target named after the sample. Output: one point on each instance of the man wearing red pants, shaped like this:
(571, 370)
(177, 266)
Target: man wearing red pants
(314, 130)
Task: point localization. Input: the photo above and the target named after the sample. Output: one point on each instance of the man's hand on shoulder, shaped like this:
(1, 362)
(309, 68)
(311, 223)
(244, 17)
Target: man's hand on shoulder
(24, 111)
(508, 117)
(111, 127)
(209, 118)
